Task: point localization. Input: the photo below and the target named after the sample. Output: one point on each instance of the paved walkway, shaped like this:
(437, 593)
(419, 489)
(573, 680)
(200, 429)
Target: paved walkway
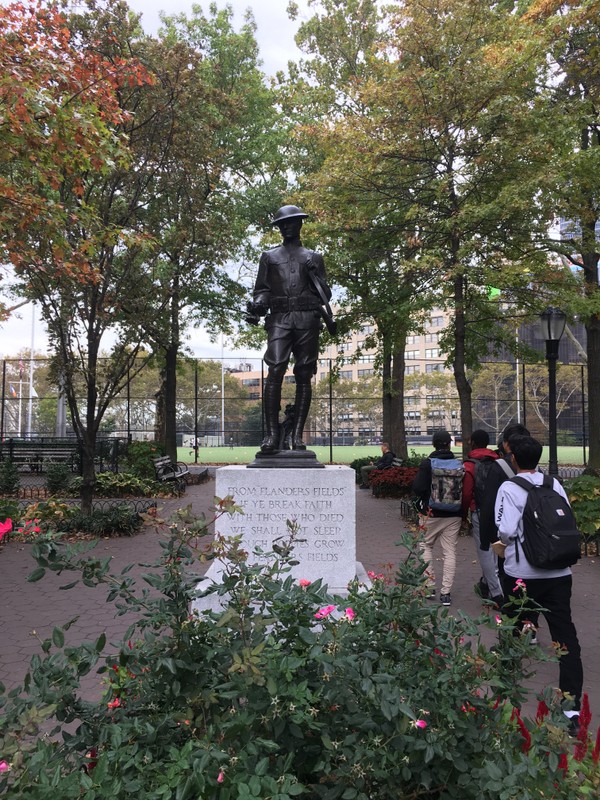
(29, 611)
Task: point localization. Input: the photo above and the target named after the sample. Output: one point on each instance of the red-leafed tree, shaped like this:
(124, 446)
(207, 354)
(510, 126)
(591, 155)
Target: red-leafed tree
(58, 110)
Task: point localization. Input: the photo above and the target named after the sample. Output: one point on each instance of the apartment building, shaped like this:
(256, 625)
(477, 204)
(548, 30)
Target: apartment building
(430, 396)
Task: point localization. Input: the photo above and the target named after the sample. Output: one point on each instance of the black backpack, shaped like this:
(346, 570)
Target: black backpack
(481, 468)
(550, 536)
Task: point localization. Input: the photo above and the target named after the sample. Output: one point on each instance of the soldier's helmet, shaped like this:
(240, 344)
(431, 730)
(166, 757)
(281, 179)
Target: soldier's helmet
(288, 212)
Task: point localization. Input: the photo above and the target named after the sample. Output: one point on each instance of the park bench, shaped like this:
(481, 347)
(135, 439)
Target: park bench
(167, 472)
(34, 455)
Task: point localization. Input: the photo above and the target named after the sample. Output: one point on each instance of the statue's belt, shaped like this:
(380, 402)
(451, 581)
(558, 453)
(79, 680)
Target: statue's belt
(278, 304)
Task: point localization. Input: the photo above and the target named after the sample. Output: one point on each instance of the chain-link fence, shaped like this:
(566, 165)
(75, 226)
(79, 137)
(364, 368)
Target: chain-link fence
(219, 404)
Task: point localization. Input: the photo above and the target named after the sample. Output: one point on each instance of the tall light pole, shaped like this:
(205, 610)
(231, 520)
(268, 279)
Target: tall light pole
(553, 322)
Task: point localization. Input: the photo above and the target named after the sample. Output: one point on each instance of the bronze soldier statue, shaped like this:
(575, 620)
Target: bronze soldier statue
(291, 291)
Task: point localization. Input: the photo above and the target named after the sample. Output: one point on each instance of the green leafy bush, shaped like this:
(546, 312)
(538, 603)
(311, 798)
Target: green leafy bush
(392, 482)
(285, 692)
(138, 460)
(121, 484)
(584, 496)
(9, 477)
(58, 478)
(9, 509)
(361, 462)
(118, 520)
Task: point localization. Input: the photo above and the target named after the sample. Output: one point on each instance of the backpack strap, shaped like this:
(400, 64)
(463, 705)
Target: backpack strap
(505, 468)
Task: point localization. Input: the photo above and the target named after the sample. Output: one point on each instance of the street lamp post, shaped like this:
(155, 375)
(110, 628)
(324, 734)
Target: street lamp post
(553, 325)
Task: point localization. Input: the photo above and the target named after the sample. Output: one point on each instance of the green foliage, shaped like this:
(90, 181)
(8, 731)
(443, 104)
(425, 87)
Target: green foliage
(9, 477)
(48, 515)
(361, 462)
(584, 496)
(392, 482)
(122, 484)
(284, 692)
(118, 520)
(138, 461)
(9, 509)
(58, 478)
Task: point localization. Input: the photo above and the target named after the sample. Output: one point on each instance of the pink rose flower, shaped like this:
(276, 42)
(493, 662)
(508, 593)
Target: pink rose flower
(420, 723)
(350, 614)
(304, 583)
(324, 612)
(520, 584)
(220, 777)
(4, 766)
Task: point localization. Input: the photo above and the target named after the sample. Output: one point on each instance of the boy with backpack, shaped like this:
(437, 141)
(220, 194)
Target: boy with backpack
(438, 486)
(538, 535)
(477, 467)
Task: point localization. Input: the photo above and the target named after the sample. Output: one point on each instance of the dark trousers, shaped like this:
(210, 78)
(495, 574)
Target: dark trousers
(554, 596)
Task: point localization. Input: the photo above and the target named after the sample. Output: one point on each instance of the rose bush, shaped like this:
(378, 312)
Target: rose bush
(284, 692)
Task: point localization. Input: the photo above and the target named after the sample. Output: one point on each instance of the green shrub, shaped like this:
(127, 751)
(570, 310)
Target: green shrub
(118, 520)
(9, 477)
(285, 692)
(584, 496)
(361, 462)
(138, 460)
(58, 478)
(120, 484)
(48, 515)
(9, 509)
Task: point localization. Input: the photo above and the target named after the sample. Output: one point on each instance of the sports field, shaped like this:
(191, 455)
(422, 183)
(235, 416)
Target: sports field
(341, 455)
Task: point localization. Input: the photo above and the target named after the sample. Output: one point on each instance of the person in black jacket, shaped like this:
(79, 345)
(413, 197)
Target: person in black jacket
(386, 460)
(438, 524)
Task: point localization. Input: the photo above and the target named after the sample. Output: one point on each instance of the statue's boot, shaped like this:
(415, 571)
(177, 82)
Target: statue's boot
(271, 403)
(301, 409)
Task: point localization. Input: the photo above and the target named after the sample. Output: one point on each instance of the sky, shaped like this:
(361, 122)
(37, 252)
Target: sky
(275, 36)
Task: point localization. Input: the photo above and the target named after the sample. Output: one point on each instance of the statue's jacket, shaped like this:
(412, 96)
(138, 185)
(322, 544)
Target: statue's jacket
(283, 285)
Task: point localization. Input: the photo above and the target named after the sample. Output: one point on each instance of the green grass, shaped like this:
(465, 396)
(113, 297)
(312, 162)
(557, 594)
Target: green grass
(341, 455)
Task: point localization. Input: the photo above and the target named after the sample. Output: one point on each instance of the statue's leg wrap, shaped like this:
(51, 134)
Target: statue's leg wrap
(301, 409)
(271, 403)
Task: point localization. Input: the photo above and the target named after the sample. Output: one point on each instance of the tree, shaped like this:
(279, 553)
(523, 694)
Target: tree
(58, 111)
(221, 129)
(573, 179)
(437, 143)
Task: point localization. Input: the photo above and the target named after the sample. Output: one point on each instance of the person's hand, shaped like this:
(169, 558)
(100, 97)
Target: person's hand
(310, 265)
(499, 548)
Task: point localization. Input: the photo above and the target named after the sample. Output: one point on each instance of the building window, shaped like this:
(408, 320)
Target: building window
(434, 367)
(346, 374)
(436, 322)
(432, 352)
(411, 355)
(431, 337)
(413, 370)
(412, 339)
(289, 379)
(365, 359)
(250, 381)
(362, 373)
(368, 329)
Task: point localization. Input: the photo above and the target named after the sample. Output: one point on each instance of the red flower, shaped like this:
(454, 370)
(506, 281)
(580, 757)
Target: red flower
(596, 751)
(542, 712)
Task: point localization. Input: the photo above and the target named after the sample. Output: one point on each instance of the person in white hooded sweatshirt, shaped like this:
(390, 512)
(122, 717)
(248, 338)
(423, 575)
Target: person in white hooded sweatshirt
(549, 588)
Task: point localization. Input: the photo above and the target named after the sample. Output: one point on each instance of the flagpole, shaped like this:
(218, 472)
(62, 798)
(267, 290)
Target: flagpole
(30, 407)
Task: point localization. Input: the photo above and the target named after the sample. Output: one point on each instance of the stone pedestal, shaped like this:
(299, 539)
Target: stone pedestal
(322, 502)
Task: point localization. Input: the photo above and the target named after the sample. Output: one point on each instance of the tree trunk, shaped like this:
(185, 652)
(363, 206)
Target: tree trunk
(590, 256)
(462, 384)
(398, 432)
(386, 383)
(170, 398)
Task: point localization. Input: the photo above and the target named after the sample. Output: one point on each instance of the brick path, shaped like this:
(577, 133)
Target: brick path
(28, 607)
